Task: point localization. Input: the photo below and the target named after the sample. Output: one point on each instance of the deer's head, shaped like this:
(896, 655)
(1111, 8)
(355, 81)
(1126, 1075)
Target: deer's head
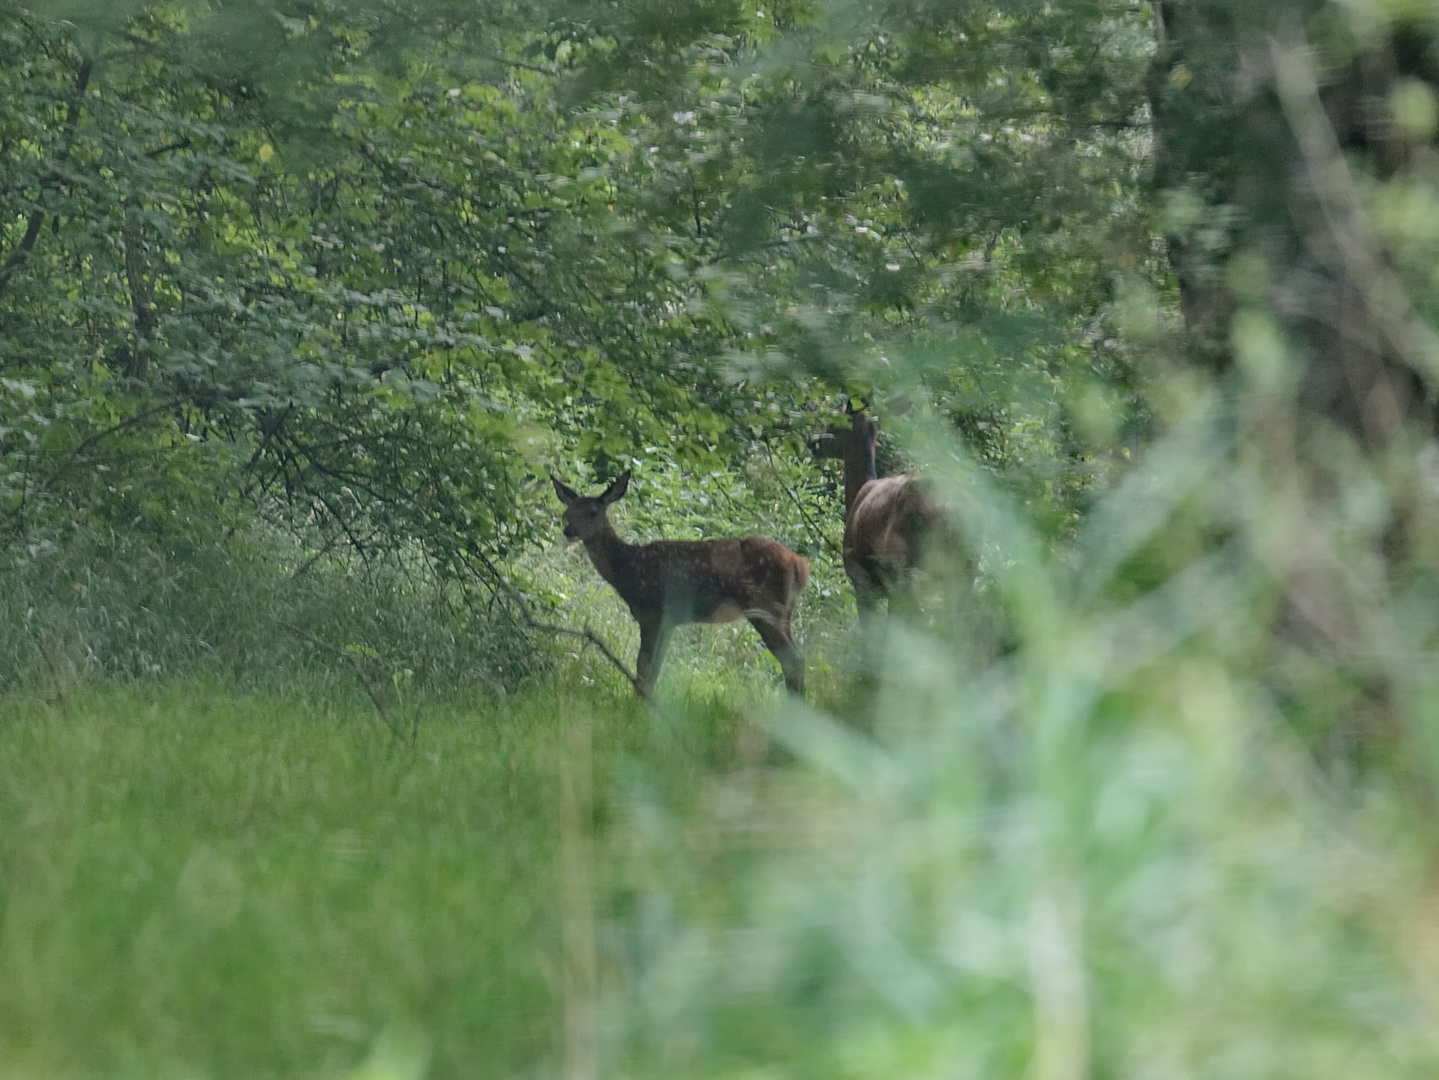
(862, 431)
(846, 443)
(854, 445)
(585, 517)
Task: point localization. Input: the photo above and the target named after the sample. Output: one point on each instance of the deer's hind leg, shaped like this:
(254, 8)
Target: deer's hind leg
(867, 596)
(777, 637)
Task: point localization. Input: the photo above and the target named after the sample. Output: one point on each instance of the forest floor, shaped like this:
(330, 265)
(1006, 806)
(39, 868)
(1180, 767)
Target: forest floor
(200, 883)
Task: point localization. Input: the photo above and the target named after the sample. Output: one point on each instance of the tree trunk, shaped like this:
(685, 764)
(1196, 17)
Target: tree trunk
(1260, 156)
(142, 293)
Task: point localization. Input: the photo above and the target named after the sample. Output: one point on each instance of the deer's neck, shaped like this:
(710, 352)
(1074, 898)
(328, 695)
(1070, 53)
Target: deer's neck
(608, 553)
(859, 468)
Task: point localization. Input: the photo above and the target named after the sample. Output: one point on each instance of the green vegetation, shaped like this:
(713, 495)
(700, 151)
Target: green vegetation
(301, 301)
(247, 886)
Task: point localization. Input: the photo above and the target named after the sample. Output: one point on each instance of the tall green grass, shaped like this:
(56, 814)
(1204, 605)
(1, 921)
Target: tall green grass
(198, 884)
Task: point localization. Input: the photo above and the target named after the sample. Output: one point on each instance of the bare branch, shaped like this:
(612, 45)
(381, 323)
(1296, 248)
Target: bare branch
(178, 144)
(818, 533)
(359, 669)
(585, 634)
(91, 440)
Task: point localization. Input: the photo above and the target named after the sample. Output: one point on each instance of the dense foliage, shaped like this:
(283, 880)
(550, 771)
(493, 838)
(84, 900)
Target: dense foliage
(370, 270)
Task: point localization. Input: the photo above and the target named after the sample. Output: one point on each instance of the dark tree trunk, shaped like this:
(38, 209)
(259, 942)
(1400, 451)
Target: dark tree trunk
(1260, 155)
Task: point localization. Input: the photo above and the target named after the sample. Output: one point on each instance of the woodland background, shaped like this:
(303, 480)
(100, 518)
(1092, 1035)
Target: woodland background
(301, 300)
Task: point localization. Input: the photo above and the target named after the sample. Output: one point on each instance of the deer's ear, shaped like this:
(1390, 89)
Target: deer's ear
(617, 489)
(566, 493)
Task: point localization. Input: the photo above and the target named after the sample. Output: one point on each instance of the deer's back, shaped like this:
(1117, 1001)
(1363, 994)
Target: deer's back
(712, 580)
(885, 528)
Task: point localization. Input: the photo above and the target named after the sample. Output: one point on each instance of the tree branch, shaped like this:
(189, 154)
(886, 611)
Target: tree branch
(354, 662)
(810, 523)
(91, 440)
(21, 255)
(142, 292)
(178, 144)
(499, 581)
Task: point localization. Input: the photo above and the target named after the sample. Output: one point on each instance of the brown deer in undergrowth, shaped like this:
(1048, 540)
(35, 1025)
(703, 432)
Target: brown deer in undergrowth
(669, 583)
(889, 521)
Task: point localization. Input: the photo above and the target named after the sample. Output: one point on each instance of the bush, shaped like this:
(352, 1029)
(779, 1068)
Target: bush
(86, 605)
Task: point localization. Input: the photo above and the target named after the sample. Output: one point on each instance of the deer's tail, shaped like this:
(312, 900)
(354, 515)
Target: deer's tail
(796, 577)
(799, 578)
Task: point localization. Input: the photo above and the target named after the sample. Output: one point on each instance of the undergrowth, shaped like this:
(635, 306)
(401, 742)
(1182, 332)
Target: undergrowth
(108, 606)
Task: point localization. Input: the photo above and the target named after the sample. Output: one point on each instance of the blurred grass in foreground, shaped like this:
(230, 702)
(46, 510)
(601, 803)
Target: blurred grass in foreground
(1178, 827)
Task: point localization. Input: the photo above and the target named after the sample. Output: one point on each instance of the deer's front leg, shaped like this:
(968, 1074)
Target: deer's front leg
(779, 639)
(654, 639)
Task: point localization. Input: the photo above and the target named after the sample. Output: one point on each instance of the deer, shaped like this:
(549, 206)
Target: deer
(669, 583)
(889, 521)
